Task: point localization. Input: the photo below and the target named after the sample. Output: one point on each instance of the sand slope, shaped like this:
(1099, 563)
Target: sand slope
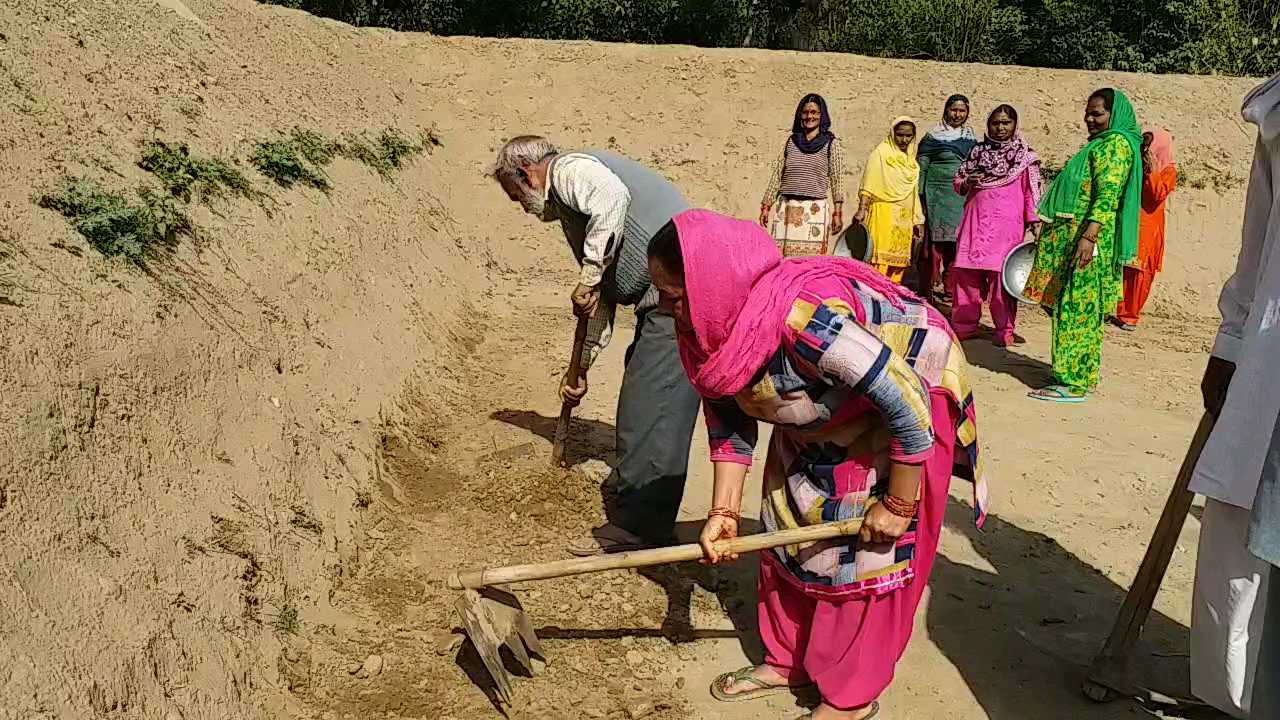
(167, 442)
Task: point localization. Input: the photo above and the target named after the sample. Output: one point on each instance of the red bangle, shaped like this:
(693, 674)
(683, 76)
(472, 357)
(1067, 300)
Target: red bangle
(724, 512)
(898, 506)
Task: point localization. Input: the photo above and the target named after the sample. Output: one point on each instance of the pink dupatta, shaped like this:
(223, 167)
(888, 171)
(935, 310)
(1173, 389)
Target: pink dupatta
(740, 290)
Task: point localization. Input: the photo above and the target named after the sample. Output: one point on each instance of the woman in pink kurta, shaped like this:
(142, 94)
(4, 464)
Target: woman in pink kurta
(866, 388)
(1001, 184)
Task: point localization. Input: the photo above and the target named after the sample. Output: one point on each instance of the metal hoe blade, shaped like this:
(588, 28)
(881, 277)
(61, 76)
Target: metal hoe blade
(494, 619)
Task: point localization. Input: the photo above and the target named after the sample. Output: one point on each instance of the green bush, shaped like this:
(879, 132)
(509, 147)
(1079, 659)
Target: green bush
(297, 158)
(115, 226)
(958, 30)
(386, 152)
(185, 175)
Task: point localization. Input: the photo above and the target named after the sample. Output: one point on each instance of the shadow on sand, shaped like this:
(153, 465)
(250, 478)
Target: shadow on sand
(1027, 370)
(588, 439)
(1023, 636)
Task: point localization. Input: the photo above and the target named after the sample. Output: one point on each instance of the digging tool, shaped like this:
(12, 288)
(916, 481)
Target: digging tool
(1109, 676)
(494, 620)
(566, 410)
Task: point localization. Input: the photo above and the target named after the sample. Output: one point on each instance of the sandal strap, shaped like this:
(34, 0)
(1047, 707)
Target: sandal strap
(744, 675)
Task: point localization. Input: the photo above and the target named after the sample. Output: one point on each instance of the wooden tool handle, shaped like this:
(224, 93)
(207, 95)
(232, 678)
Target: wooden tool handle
(566, 410)
(1110, 667)
(657, 556)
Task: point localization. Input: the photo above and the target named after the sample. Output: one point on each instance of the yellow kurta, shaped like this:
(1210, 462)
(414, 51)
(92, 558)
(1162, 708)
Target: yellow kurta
(889, 192)
(889, 224)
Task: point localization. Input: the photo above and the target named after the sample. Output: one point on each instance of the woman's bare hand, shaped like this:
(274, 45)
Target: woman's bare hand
(881, 526)
(718, 527)
(1084, 251)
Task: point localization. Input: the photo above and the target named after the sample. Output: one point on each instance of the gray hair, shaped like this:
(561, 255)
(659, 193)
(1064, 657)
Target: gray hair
(521, 151)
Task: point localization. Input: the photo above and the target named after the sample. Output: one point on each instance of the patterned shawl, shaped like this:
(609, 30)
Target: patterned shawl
(739, 291)
(995, 164)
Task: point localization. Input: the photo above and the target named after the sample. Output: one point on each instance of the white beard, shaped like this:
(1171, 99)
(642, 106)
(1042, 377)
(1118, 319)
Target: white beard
(535, 205)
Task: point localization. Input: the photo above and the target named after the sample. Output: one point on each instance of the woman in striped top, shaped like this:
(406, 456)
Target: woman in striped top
(866, 388)
(804, 176)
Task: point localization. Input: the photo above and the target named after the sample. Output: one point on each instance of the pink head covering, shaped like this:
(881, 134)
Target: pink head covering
(1161, 149)
(739, 292)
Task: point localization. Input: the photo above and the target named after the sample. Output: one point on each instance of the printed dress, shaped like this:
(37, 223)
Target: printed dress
(798, 190)
(1081, 299)
(854, 386)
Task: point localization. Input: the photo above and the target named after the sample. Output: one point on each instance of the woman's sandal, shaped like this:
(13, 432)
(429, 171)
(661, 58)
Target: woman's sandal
(1056, 394)
(875, 710)
(763, 689)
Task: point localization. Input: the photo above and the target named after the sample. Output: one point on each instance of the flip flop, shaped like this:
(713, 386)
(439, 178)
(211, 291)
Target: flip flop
(763, 689)
(875, 710)
(1056, 394)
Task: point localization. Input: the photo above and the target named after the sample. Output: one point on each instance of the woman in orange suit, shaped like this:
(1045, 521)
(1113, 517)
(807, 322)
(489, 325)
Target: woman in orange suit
(1159, 177)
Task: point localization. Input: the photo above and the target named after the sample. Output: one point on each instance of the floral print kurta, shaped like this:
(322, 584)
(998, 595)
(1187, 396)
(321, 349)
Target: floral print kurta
(1081, 299)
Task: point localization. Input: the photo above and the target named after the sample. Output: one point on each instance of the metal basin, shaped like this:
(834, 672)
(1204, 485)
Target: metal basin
(1017, 268)
(854, 243)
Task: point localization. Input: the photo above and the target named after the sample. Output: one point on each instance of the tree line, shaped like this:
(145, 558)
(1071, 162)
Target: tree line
(1226, 37)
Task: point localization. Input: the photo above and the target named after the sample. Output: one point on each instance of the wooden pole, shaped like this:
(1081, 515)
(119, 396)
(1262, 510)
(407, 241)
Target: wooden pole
(657, 556)
(1109, 674)
(566, 410)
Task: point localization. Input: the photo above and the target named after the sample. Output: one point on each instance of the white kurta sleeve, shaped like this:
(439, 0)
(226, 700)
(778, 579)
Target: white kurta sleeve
(587, 186)
(1236, 300)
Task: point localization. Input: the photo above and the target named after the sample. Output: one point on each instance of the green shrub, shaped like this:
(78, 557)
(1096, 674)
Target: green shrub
(385, 153)
(957, 30)
(1205, 174)
(297, 158)
(115, 226)
(185, 175)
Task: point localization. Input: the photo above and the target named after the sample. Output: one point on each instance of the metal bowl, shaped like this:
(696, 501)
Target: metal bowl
(1017, 268)
(854, 243)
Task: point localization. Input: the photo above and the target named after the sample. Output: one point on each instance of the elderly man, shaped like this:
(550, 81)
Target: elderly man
(609, 207)
(1239, 469)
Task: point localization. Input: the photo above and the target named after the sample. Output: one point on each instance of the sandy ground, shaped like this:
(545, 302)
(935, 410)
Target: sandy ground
(1015, 612)
(382, 360)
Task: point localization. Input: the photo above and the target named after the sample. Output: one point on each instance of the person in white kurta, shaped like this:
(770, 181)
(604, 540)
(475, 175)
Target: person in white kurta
(1242, 388)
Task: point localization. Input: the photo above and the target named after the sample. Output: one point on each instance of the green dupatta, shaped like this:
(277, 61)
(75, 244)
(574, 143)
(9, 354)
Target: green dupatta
(1059, 200)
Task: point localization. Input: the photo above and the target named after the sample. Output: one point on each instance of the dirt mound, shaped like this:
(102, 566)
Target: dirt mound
(222, 484)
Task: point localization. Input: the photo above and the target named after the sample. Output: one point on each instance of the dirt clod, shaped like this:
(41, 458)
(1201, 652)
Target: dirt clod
(371, 667)
(640, 710)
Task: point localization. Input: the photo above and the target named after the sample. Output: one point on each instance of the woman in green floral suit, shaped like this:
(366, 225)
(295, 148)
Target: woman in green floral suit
(1091, 212)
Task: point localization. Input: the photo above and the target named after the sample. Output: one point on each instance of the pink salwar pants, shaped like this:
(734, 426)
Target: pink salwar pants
(849, 648)
(972, 288)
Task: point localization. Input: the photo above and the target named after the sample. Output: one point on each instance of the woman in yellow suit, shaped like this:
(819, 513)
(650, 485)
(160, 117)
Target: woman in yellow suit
(889, 201)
